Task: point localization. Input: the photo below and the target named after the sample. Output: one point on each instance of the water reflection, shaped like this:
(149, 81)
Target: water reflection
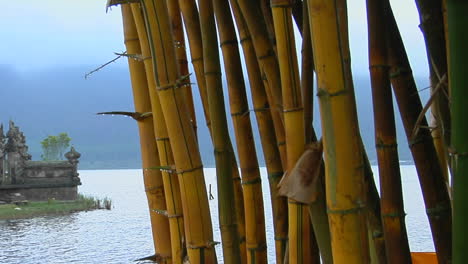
(123, 234)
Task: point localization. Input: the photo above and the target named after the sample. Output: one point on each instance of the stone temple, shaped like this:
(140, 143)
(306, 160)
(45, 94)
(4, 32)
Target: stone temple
(24, 179)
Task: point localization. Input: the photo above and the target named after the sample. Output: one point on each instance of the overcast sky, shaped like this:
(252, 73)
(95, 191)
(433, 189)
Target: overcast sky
(36, 35)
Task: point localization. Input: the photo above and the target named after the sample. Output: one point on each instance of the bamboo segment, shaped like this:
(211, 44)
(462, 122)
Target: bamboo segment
(171, 183)
(152, 178)
(264, 50)
(267, 135)
(396, 240)
(251, 181)
(299, 221)
(430, 174)
(198, 228)
(268, 17)
(307, 77)
(179, 43)
(457, 22)
(192, 25)
(342, 146)
(223, 154)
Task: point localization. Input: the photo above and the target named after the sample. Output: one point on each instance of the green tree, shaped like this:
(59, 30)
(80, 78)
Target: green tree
(53, 147)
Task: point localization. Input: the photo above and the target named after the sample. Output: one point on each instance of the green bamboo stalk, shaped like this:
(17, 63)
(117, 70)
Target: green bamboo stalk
(198, 228)
(267, 134)
(430, 173)
(457, 21)
(396, 240)
(223, 154)
(170, 180)
(253, 199)
(154, 187)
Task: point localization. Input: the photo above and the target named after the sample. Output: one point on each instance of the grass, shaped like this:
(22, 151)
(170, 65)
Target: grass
(32, 209)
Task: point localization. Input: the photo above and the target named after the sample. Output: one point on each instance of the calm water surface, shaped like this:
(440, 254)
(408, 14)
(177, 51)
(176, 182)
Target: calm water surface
(123, 234)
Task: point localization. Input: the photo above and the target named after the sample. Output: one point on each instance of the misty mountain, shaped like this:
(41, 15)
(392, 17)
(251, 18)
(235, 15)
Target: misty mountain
(58, 100)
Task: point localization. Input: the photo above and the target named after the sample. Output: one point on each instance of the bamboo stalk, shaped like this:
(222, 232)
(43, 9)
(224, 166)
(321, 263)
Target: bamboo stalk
(432, 27)
(179, 43)
(457, 22)
(299, 221)
(152, 178)
(198, 228)
(192, 25)
(344, 181)
(268, 17)
(267, 135)
(396, 240)
(430, 174)
(223, 154)
(251, 181)
(318, 208)
(171, 183)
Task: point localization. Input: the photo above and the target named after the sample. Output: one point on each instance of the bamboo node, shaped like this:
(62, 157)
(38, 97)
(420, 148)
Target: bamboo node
(160, 212)
(257, 247)
(269, 53)
(275, 175)
(162, 139)
(325, 93)
(291, 201)
(197, 59)
(281, 143)
(394, 215)
(400, 71)
(438, 210)
(210, 244)
(419, 139)
(174, 216)
(190, 170)
(241, 113)
(229, 42)
(253, 181)
(281, 4)
(177, 84)
(386, 146)
(248, 38)
(296, 109)
(454, 155)
(345, 211)
(277, 238)
(261, 109)
(154, 189)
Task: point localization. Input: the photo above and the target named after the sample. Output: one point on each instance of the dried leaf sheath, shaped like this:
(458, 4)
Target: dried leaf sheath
(171, 183)
(198, 228)
(152, 178)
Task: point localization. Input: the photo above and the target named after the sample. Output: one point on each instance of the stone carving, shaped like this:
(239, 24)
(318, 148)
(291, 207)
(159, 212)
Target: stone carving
(36, 179)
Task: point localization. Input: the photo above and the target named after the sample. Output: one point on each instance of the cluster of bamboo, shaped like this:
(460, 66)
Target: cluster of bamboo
(325, 210)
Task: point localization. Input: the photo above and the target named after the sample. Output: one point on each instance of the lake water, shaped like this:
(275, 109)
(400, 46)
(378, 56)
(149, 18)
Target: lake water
(123, 234)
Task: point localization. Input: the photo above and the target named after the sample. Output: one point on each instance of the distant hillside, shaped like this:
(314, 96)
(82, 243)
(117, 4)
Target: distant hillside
(61, 100)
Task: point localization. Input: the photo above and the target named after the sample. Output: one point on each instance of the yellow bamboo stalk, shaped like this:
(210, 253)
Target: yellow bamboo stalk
(267, 134)
(198, 228)
(152, 178)
(251, 181)
(299, 221)
(192, 26)
(179, 44)
(342, 147)
(171, 183)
